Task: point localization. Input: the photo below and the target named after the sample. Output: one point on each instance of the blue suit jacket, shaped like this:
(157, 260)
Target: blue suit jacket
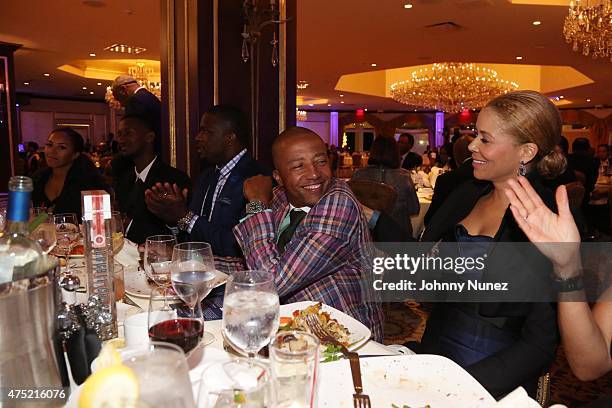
(228, 208)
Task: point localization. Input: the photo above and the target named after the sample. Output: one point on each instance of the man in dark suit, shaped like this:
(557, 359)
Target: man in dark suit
(137, 100)
(582, 160)
(136, 139)
(218, 203)
(410, 160)
(447, 182)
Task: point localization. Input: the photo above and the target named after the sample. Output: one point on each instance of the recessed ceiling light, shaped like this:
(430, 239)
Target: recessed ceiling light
(26, 83)
(46, 74)
(519, 58)
(536, 23)
(311, 104)
(84, 87)
(341, 101)
(407, 6)
(366, 109)
(99, 83)
(342, 95)
(91, 92)
(329, 104)
(373, 64)
(588, 100)
(91, 54)
(561, 96)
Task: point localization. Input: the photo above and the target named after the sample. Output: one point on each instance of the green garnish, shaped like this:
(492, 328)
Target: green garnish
(40, 218)
(239, 397)
(331, 353)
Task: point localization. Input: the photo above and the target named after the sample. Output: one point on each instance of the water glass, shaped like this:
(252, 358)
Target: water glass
(68, 233)
(117, 232)
(163, 375)
(294, 361)
(158, 258)
(250, 311)
(239, 383)
(45, 234)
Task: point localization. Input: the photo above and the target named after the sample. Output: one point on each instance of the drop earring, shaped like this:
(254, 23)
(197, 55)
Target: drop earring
(522, 170)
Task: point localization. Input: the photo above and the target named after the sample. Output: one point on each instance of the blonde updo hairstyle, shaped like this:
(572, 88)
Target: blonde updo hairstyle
(530, 117)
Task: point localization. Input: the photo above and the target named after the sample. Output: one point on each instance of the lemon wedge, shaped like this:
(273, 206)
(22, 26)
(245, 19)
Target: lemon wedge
(109, 356)
(115, 386)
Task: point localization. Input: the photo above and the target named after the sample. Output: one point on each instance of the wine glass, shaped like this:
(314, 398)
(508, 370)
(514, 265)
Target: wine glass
(68, 232)
(44, 233)
(193, 263)
(117, 231)
(158, 258)
(250, 311)
(179, 323)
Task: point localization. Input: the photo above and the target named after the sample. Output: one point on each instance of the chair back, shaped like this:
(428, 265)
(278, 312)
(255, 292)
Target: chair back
(580, 176)
(373, 194)
(575, 194)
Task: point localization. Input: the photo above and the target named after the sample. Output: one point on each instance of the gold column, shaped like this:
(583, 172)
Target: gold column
(282, 68)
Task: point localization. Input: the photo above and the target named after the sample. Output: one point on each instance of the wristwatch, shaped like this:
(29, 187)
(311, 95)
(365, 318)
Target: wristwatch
(569, 285)
(184, 221)
(254, 207)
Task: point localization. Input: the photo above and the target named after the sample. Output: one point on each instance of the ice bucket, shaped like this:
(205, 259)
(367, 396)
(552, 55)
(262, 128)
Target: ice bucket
(27, 328)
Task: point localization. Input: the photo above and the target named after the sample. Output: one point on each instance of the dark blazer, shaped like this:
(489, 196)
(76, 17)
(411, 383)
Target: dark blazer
(535, 324)
(412, 161)
(146, 105)
(131, 199)
(228, 209)
(82, 176)
(446, 183)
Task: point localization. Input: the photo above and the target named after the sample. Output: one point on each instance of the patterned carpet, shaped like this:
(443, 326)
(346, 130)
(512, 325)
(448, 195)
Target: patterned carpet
(406, 322)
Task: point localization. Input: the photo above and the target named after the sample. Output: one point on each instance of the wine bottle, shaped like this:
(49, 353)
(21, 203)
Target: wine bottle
(20, 257)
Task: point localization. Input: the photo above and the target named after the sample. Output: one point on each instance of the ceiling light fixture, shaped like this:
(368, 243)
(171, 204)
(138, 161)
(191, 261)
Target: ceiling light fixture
(561, 97)
(341, 101)
(589, 28)
(26, 83)
(99, 84)
(329, 104)
(588, 100)
(342, 95)
(47, 74)
(374, 64)
(91, 54)
(91, 92)
(311, 104)
(84, 88)
(302, 85)
(536, 23)
(301, 115)
(125, 49)
(519, 58)
(451, 87)
(407, 6)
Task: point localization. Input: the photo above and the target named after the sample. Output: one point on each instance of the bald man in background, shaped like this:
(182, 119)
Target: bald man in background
(309, 231)
(448, 181)
(138, 101)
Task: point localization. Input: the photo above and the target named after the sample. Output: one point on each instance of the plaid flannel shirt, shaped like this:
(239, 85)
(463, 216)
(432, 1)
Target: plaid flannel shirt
(326, 259)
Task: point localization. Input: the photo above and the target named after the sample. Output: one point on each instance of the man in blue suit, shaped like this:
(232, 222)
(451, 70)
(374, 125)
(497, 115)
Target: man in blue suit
(217, 203)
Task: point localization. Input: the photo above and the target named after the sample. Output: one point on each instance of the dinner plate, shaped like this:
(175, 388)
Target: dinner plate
(360, 334)
(415, 381)
(136, 283)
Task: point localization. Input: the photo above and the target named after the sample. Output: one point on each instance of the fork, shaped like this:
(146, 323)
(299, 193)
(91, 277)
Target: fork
(360, 400)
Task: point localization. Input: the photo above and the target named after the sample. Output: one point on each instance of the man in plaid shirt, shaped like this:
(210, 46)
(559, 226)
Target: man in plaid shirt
(309, 230)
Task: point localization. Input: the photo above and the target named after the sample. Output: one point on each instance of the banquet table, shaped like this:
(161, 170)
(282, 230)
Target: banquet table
(418, 220)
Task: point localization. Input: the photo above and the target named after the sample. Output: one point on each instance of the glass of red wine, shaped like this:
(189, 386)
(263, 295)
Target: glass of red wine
(179, 323)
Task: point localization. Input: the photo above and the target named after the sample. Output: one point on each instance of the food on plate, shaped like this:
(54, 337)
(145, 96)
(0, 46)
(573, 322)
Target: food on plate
(298, 322)
(78, 250)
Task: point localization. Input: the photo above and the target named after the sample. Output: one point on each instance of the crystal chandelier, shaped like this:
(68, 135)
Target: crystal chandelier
(589, 28)
(451, 87)
(141, 73)
(301, 115)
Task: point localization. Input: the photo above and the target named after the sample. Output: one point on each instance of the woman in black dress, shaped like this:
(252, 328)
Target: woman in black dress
(68, 172)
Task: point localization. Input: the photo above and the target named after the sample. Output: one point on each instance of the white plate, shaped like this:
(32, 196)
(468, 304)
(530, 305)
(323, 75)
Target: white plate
(136, 283)
(360, 334)
(416, 381)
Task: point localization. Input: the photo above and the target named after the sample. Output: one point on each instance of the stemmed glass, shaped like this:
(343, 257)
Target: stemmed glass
(45, 233)
(178, 323)
(68, 232)
(158, 259)
(117, 231)
(193, 263)
(250, 311)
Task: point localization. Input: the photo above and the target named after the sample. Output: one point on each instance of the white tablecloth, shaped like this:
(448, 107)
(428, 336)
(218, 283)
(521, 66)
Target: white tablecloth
(418, 221)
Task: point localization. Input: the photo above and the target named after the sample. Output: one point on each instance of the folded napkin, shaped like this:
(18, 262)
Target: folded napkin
(129, 255)
(517, 398)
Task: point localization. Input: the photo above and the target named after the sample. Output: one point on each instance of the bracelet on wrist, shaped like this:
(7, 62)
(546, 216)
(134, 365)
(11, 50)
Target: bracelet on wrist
(570, 284)
(184, 221)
